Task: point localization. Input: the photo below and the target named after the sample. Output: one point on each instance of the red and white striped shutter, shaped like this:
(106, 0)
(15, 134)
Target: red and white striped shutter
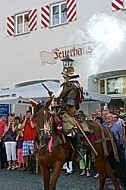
(71, 10)
(10, 25)
(117, 5)
(45, 16)
(32, 23)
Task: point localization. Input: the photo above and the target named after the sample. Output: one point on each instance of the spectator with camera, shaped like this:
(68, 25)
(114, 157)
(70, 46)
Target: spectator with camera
(29, 125)
(10, 142)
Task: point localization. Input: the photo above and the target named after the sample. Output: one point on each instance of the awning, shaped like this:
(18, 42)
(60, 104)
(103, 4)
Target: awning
(22, 94)
(15, 100)
(38, 91)
(118, 96)
(90, 97)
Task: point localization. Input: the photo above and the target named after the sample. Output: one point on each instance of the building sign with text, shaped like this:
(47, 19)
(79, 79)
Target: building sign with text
(77, 50)
(73, 51)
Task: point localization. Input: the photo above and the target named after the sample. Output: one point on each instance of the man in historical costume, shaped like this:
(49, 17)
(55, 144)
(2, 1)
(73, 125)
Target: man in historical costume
(70, 96)
(71, 88)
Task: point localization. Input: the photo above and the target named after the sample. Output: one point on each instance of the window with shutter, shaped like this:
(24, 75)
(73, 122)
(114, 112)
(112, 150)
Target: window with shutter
(22, 23)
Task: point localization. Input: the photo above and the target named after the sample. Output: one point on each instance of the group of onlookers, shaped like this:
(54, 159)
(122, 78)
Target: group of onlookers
(17, 137)
(114, 122)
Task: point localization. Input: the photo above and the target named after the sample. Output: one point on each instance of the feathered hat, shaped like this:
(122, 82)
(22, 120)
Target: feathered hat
(69, 71)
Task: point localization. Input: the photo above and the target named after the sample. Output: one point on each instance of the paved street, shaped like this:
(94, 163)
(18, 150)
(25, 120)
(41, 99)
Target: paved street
(18, 180)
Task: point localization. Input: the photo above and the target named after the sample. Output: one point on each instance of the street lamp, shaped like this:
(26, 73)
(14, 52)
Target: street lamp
(67, 62)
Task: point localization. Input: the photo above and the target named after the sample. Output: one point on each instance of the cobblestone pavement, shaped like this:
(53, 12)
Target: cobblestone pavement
(19, 180)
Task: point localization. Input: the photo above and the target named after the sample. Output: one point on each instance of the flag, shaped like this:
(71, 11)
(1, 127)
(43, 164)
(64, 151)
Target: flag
(47, 57)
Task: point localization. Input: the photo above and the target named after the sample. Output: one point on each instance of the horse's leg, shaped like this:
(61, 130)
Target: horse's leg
(46, 176)
(55, 175)
(100, 166)
(111, 174)
(101, 181)
(105, 171)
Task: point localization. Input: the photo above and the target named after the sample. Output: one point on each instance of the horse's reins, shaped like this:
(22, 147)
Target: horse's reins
(39, 130)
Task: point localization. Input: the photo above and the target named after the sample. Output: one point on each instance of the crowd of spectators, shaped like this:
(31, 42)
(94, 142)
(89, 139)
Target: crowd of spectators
(114, 122)
(17, 137)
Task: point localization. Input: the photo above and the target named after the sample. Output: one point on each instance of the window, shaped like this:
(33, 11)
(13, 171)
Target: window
(21, 23)
(58, 14)
(116, 85)
(102, 86)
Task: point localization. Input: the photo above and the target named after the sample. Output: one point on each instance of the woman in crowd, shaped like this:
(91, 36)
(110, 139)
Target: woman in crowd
(10, 142)
(116, 129)
(124, 125)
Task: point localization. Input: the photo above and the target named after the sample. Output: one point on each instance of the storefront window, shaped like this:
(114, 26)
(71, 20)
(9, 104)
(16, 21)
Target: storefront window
(116, 85)
(102, 86)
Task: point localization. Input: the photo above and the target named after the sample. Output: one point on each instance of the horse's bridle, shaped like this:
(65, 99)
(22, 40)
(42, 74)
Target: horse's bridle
(42, 132)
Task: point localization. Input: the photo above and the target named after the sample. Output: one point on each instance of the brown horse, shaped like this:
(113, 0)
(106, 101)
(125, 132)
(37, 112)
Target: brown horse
(58, 155)
(55, 156)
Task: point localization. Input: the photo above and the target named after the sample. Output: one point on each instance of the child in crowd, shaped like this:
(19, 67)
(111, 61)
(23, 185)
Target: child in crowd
(19, 140)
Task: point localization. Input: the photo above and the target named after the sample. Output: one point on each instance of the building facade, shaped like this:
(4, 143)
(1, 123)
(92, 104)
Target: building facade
(36, 35)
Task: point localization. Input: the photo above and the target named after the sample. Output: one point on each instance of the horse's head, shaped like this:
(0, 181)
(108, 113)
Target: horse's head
(44, 117)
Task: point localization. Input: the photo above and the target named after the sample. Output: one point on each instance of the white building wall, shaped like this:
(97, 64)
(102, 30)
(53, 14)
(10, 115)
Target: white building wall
(20, 55)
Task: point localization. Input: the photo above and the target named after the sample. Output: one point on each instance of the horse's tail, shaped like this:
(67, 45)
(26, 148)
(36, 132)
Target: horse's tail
(120, 168)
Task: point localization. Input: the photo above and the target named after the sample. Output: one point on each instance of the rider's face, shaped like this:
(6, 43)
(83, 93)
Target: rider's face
(67, 78)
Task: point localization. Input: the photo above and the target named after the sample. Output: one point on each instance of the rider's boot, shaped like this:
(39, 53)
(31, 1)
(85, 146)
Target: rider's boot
(79, 147)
